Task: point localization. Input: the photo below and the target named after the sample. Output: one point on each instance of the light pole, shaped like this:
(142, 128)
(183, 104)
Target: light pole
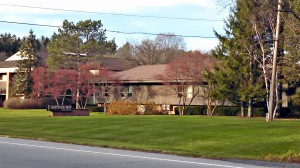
(78, 55)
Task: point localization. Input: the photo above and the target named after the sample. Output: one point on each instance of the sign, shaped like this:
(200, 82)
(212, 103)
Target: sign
(57, 108)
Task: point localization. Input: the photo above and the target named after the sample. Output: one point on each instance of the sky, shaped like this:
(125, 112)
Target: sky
(108, 12)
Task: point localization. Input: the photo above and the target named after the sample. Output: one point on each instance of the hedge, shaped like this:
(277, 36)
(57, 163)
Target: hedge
(96, 108)
(222, 111)
(36, 103)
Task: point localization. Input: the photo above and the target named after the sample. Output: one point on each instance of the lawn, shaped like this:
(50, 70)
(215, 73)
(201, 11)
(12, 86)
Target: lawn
(200, 136)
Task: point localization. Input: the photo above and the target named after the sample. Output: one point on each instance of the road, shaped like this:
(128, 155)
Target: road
(20, 153)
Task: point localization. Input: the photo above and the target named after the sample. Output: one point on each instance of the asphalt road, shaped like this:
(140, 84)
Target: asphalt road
(20, 153)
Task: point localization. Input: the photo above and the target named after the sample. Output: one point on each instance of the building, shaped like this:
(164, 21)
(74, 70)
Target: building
(142, 85)
(9, 66)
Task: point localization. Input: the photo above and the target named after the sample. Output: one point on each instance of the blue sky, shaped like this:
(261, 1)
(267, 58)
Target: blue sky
(200, 9)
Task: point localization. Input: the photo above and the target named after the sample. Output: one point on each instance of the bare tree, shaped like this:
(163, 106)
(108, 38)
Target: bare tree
(163, 49)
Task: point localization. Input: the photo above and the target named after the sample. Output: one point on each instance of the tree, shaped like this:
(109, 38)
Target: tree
(238, 73)
(291, 44)
(9, 45)
(22, 81)
(163, 49)
(83, 38)
(170, 46)
(53, 82)
(103, 81)
(185, 76)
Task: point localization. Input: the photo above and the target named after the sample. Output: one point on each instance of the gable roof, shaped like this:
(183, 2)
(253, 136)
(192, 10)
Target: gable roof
(15, 57)
(144, 73)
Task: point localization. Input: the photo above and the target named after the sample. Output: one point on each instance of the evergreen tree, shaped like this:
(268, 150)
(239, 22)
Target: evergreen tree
(292, 43)
(85, 37)
(291, 59)
(22, 80)
(237, 72)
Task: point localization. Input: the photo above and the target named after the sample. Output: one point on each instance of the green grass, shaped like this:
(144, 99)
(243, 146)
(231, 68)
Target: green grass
(200, 136)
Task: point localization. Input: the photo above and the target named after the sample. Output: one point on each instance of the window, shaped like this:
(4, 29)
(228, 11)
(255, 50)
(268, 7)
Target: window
(129, 91)
(166, 107)
(122, 92)
(190, 92)
(3, 76)
(106, 92)
(126, 91)
(179, 91)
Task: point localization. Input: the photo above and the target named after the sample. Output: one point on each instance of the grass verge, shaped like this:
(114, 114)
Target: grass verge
(199, 136)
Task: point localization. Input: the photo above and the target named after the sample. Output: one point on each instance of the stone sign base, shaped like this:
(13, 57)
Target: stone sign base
(74, 112)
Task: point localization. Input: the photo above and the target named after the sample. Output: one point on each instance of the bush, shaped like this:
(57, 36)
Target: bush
(259, 112)
(122, 108)
(18, 103)
(96, 109)
(152, 109)
(222, 111)
(32, 103)
(132, 108)
(193, 110)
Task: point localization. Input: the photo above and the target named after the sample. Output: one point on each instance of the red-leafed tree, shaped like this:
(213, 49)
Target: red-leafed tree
(58, 82)
(185, 74)
(54, 83)
(103, 81)
(38, 76)
(84, 82)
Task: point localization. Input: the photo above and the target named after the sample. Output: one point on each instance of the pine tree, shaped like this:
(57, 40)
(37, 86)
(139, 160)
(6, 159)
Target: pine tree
(291, 59)
(238, 73)
(22, 80)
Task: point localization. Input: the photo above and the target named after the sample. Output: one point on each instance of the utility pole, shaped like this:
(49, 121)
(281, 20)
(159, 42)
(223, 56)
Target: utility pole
(78, 55)
(274, 67)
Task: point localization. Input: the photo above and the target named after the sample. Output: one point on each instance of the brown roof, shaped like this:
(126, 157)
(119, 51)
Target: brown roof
(116, 64)
(144, 73)
(8, 64)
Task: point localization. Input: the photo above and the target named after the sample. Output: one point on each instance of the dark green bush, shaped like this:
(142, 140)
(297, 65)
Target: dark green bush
(192, 110)
(96, 108)
(227, 111)
(259, 112)
(285, 112)
(222, 111)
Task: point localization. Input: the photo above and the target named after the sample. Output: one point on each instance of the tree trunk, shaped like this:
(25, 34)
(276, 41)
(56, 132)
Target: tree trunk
(209, 110)
(242, 109)
(250, 108)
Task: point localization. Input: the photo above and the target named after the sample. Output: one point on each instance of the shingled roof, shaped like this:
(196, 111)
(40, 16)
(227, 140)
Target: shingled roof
(8, 64)
(116, 64)
(144, 73)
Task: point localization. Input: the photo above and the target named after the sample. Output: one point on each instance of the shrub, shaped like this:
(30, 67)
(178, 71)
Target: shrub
(96, 109)
(193, 110)
(33, 103)
(18, 103)
(152, 109)
(259, 112)
(222, 111)
(122, 108)
(227, 111)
